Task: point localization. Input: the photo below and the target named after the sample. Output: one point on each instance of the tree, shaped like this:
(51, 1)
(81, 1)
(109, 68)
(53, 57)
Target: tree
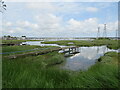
(2, 6)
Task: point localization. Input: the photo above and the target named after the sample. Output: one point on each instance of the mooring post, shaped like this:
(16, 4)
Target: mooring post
(72, 50)
(69, 50)
(75, 49)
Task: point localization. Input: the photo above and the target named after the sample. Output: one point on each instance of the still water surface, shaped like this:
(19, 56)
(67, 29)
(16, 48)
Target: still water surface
(87, 57)
(40, 44)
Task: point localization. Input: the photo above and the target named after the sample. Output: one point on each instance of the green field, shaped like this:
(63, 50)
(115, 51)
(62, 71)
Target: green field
(39, 71)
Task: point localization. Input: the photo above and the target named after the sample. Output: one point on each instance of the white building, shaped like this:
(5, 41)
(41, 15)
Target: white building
(23, 37)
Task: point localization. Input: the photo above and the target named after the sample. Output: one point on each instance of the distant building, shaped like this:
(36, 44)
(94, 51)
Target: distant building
(23, 37)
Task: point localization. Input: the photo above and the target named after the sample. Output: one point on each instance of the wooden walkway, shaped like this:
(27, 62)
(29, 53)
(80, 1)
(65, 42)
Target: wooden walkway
(70, 50)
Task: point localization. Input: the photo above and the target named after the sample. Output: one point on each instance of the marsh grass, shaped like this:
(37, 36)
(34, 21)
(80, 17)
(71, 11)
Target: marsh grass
(16, 41)
(38, 71)
(18, 48)
(33, 72)
(112, 44)
(11, 50)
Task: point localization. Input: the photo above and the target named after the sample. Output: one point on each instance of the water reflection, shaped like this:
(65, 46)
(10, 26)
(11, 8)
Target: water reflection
(86, 58)
(97, 49)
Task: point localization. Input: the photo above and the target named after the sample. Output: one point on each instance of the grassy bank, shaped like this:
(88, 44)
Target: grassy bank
(31, 71)
(22, 49)
(15, 41)
(37, 72)
(103, 74)
(113, 44)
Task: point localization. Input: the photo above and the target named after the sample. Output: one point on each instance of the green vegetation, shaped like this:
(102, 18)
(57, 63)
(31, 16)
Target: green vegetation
(32, 71)
(18, 48)
(103, 74)
(38, 72)
(113, 44)
(24, 48)
(15, 41)
(53, 58)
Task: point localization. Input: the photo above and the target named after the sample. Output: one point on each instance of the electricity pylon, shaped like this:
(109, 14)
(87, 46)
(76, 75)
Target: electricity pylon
(116, 33)
(98, 33)
(104, 31)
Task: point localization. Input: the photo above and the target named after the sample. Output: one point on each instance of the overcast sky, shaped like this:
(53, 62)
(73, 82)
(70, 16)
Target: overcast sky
(59, 19)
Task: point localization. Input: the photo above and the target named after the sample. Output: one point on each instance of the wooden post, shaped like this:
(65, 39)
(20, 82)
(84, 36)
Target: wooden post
(72, 50)
(69, 50)
(75, 49)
